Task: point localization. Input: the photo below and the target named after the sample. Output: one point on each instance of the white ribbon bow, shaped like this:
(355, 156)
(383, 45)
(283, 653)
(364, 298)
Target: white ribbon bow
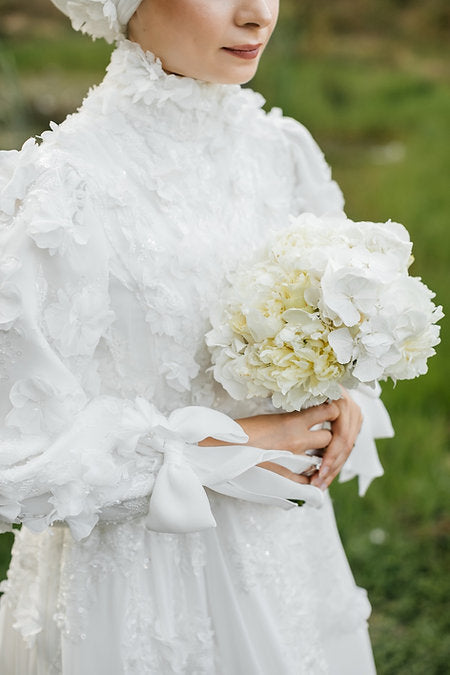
(178, 502)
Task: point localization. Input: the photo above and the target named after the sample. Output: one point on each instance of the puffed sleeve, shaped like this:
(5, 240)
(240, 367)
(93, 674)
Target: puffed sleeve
(67, 452)
(316, 192)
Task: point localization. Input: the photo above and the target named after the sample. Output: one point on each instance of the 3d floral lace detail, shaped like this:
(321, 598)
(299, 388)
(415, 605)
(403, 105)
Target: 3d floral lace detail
(17, 171)
(140, 78)
(39, 406)
(77, 321)
(179, 637)
(58, 225)
(125, 550)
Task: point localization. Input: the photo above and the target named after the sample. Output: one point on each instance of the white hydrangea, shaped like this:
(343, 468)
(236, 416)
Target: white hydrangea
(327, 303)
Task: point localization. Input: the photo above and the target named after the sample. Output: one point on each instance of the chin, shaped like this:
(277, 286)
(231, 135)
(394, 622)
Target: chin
(247, 79)
(235, 77)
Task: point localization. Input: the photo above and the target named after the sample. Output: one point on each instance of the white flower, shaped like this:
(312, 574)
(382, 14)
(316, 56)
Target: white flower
(414, 331)
(17, 171)
(341, 341)
(38, 407)
(347, 296)
(77, 321)
(60, 224)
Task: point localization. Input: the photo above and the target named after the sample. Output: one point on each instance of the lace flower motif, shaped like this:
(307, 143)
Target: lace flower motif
(77, 320)
(17, 170)
(39, 407)
(58, 225)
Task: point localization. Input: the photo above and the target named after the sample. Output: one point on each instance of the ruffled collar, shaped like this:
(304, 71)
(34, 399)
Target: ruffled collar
(137, 77)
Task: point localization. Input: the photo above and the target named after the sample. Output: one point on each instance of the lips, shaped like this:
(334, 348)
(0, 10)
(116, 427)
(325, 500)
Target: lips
(244, 51)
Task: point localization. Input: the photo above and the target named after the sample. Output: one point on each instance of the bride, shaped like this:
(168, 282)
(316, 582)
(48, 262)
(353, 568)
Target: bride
(160, 535)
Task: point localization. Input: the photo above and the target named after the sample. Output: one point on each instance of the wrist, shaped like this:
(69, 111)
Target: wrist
(249, 426)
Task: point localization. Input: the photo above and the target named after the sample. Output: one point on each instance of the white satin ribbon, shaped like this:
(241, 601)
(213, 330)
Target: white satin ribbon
(179, 502)
(363, 461)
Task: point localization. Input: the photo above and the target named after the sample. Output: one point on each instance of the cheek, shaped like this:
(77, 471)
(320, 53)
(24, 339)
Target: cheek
(194, 22)
(205, 24)
(274, 10)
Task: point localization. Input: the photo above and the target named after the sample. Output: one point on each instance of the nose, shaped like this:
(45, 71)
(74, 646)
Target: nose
(260, 13)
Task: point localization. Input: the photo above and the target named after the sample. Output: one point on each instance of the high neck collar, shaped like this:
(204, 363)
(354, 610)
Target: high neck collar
(139, 78)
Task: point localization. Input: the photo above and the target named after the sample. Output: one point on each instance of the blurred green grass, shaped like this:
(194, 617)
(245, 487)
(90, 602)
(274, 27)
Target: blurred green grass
(382, 119)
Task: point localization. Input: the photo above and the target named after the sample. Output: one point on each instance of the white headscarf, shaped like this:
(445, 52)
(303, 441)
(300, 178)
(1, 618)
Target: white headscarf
(107, 19)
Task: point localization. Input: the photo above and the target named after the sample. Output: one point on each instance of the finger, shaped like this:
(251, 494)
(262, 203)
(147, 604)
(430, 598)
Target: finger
(319, 439)
(327, 412)
(345, 431)
(311, 440)
(336, 455)
(324, 483)
(286, 473)
(331, 470)
(328, 472)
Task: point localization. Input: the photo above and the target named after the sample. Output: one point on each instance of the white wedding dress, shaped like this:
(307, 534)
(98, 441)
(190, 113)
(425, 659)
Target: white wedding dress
(142, 552)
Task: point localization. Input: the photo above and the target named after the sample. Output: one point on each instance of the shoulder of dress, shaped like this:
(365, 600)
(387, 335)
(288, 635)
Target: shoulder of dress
(45, 198)
(317, 190)
(300, 142)
(296, 139)
(18, 171)
(23, 170)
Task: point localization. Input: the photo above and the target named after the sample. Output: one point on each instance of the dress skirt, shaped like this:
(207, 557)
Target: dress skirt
(267, 591)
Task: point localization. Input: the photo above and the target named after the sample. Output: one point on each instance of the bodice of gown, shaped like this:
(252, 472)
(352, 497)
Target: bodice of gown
(189, 179)
(121, 229)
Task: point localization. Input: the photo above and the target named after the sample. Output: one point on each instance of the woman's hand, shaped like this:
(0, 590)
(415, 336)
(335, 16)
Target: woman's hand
(292, 431)
(345, 419)
(345, 429)
(288, 431)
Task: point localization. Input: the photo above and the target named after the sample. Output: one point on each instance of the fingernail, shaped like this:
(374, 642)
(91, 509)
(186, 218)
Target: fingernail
(324, 471)
(322, 486)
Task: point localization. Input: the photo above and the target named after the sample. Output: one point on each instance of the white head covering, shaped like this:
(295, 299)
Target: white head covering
(99, 18)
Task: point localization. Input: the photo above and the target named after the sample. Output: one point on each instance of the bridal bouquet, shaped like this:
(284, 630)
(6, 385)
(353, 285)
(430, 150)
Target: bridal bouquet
(328, 302)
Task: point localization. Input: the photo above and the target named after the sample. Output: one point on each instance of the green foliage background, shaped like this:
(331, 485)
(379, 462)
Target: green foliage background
(370, 80)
